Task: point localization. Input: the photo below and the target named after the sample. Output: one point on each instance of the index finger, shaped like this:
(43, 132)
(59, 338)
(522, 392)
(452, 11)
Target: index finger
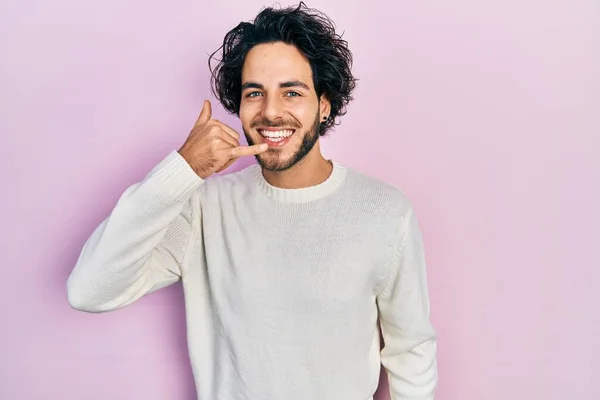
(242, 151)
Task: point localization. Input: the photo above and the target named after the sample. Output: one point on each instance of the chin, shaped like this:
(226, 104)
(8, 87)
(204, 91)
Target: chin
(278, 159)
(275, 163)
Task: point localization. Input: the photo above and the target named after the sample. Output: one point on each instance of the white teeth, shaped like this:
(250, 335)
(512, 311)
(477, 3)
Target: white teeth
(277, 134)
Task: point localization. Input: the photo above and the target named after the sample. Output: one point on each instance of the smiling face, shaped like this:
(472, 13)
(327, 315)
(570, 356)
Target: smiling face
(279, 105)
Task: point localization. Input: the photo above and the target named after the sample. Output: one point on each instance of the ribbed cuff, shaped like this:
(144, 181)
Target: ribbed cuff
(174, 176)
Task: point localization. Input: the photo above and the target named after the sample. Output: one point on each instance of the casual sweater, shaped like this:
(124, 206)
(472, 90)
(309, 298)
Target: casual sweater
(286, 290)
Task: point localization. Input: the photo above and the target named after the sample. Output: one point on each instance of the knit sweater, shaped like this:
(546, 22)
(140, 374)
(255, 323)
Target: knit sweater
(286, 290)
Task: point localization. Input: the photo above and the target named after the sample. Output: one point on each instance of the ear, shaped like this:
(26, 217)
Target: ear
(324, 107)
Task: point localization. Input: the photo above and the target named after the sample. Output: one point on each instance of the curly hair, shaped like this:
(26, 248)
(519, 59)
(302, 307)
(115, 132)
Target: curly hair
(312, 33)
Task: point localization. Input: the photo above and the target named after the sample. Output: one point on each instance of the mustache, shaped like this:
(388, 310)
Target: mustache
(274, 124)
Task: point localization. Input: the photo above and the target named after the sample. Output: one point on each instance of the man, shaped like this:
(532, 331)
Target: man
(290, 266)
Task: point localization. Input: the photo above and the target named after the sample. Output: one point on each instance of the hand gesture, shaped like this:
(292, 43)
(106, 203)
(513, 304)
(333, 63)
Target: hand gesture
(213, 146)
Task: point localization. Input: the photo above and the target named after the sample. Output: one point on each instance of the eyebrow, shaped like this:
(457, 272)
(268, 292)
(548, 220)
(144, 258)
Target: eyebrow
(287, 84)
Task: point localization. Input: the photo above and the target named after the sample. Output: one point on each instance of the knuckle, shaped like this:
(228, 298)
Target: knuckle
(213, 144)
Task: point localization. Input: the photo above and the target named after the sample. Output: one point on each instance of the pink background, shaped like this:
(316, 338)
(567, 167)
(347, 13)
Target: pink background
(486, 113)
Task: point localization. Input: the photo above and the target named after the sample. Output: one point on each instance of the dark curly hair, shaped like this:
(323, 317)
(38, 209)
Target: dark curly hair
(311, 32)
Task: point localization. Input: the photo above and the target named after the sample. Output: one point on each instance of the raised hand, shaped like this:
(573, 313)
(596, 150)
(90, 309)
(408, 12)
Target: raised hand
(212, 146)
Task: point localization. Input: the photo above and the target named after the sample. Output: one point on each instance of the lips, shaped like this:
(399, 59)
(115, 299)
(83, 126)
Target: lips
(276, 136)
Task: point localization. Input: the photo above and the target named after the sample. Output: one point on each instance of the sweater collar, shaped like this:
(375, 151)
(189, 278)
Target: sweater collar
(301, 195)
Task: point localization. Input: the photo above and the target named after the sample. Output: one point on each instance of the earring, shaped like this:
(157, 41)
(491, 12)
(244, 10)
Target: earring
(325, 118)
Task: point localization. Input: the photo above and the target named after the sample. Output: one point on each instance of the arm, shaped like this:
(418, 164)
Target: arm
(409, 354)
(142, 246)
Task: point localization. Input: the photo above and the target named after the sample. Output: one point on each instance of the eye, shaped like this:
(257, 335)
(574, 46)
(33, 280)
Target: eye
(292, 94)
(253, 94)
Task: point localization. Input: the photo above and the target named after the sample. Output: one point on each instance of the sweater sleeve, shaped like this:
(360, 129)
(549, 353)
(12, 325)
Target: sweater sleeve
(409, 352)
(142, 245)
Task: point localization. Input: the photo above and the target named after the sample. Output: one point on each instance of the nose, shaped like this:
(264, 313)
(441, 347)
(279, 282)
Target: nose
(273, 108)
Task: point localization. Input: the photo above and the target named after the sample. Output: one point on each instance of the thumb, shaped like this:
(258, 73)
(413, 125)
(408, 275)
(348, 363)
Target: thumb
(205, 114)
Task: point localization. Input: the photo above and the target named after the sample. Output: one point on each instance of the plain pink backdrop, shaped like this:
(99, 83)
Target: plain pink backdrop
(487, 114)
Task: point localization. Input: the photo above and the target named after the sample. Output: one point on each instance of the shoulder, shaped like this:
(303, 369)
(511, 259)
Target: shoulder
(377, 196)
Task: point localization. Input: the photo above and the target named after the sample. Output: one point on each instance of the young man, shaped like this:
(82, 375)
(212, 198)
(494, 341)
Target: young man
(290, 266)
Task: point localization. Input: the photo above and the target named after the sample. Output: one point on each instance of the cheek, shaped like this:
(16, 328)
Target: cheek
(307, 117)
(304, 113)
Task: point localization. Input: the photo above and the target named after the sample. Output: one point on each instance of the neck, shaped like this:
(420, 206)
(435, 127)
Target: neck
(312, 170)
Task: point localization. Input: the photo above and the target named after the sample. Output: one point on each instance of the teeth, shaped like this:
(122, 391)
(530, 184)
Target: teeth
(277, 134)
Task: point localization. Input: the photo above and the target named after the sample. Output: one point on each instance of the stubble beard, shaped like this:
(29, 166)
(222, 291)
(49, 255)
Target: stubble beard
(274, 164)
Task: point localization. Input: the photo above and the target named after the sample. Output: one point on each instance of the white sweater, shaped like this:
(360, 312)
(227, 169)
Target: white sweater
(284, 288)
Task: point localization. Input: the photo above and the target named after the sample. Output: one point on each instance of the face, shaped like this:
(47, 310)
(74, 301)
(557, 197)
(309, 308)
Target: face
(279, 105)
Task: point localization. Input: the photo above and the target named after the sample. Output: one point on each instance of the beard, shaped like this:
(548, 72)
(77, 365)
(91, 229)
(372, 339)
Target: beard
(271, 161)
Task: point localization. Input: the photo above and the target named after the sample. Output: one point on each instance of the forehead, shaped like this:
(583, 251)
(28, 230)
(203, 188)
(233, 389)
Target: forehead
(272, 63)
